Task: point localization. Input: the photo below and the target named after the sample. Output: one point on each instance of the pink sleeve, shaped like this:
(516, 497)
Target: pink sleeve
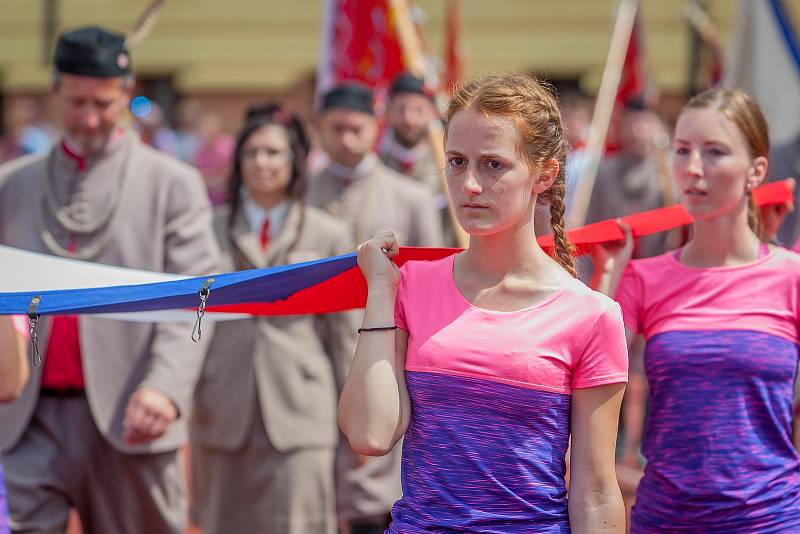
(629, 297)
(605, 358)
(399, 303)
(20, 324)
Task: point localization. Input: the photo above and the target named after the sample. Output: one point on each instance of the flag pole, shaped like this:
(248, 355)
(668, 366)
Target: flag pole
(604, 105)
(415, 63)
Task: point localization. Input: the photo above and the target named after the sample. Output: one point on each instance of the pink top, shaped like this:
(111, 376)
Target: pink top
(661, 294)
(573, 339)
(721, 362)
(491, 402)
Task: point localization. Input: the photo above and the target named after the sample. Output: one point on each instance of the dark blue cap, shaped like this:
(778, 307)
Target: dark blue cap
(349, 96)
(92, 51)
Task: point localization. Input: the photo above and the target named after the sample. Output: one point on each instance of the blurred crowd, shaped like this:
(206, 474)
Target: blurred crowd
(352, 173)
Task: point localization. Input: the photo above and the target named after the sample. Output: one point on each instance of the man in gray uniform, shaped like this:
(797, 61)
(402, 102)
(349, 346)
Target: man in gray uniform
(784, 162)
(637, 178)
(406, 147)
(99, 425)
(359, 189)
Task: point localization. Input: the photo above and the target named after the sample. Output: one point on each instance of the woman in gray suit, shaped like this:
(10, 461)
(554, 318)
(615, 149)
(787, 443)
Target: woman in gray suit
(264, 421)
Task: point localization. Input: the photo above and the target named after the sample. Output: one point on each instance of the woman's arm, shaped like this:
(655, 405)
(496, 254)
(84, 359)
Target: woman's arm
(595, 501)
(374, 406)
(610, 260)
(13, 361)
(634, 404)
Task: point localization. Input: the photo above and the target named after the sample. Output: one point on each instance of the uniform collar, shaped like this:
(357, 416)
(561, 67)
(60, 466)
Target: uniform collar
(351, 174)
(72, 153)
(403, 153)
(256, 214)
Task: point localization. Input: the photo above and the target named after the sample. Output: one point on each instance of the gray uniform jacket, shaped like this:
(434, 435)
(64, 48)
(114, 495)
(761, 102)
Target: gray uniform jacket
(294, 365)
(378, 199)
(624, 186)
(162, 223)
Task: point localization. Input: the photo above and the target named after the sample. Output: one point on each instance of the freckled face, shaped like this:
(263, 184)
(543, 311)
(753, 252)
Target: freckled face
(712, 165)
(492, 187)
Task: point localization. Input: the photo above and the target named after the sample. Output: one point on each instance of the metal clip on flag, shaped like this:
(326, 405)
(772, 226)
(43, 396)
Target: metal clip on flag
(33, 322)
(205, 292)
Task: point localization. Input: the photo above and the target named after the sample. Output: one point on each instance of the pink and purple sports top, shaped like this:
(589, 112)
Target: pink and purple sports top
(490, 392)
(721, 360)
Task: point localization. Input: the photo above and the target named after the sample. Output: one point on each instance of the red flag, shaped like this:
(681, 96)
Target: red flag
(360, 43)
(707, 54)
(453, 66)
(633, 83)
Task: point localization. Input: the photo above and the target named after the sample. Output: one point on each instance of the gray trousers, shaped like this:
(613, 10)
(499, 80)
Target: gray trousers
(262, 490)
(63, 462)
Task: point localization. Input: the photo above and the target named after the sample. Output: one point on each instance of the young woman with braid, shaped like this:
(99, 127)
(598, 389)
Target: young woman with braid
(487, 361)
(721, 318)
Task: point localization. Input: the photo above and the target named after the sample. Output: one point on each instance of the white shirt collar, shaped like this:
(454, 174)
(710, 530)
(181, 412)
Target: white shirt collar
(402, 153)
(255, 214)
(363, 168)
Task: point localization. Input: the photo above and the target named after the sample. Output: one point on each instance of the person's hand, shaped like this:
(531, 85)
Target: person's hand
(148, 416)
(616, 254)
(374, 259)
(772, 216)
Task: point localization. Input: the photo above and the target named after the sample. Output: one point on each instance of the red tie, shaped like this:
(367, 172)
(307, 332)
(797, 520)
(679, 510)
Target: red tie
(265, 234)
(80, 162)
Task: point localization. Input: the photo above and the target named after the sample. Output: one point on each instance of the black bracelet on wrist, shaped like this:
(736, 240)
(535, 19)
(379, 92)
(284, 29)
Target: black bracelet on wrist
(377, 329)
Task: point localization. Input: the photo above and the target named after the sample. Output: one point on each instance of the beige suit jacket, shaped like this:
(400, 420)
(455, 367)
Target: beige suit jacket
(379, 199)
(163, 224)
(295, 365)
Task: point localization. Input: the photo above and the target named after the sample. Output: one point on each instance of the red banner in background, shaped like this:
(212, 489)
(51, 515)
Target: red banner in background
(360, 43)
(453, 49)
(634, 84)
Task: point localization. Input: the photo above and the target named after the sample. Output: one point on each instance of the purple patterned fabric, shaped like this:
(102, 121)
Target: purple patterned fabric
(718, 441)
(4, 528)
(483, 456)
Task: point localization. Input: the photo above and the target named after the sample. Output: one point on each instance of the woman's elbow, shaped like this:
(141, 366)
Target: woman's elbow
(10, 391)
(364, 441)
(366, 446)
